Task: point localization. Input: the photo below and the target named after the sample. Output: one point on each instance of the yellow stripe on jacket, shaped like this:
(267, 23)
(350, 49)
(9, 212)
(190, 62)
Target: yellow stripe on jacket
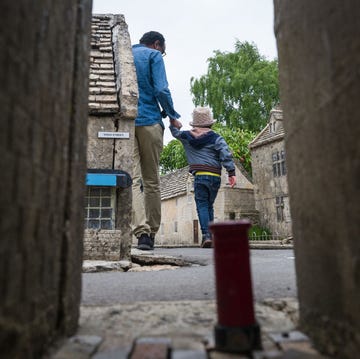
(207, 173)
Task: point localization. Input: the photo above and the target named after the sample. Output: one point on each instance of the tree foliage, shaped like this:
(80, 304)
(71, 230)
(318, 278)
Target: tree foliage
(238, 140)
(241, 87)
(173, 155)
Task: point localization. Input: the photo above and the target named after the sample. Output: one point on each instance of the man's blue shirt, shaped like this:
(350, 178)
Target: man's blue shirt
(153, 87)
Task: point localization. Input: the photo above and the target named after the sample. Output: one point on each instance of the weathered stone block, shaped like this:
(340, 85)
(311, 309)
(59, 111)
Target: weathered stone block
(320, 98)
(103, 245)
(100, 151)
(44, 102)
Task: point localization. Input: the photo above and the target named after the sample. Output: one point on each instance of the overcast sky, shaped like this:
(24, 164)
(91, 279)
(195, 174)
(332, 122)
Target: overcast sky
(193, 30)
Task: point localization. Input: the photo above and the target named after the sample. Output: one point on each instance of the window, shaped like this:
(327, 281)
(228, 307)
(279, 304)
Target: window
(272, 128)
(99, 207)
(278, 160)
(232, 215)
(279, 204)
(175, 227)
(283, 166)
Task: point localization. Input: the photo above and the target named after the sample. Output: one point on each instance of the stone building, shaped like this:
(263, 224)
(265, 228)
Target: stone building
(270, 176)
(112, 110)
(44, 76)
(320, 87)
(43, 159)
(179, 220)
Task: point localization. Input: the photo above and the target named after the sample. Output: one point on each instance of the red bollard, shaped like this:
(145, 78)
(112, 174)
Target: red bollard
(236, 330)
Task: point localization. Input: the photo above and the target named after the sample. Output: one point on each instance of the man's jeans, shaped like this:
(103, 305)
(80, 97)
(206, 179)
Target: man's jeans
(206, 188)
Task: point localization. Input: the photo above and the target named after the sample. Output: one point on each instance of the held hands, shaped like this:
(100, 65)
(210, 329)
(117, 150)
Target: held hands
(175, 123)
(232, 181)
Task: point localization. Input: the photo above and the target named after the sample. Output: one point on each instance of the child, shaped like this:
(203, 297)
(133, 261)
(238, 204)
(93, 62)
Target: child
(206, 153)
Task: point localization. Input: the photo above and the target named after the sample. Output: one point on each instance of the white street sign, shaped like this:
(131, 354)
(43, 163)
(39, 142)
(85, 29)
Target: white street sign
(113, 135)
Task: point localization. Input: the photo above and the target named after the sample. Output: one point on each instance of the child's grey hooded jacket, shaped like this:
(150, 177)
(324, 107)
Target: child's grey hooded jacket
(206, 152)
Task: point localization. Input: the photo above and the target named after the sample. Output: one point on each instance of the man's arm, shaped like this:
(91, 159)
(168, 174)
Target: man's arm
(161, 87)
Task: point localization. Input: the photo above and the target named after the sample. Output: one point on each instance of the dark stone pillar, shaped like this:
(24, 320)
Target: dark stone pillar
(319, 59)
(43, 100)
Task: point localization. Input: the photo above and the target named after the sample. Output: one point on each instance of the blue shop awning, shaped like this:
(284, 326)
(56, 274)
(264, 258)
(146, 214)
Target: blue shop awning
(113, 178)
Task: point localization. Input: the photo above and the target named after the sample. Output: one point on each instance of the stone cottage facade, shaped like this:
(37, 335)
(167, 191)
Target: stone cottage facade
(112, 110)
(179, 220)
(270, 176)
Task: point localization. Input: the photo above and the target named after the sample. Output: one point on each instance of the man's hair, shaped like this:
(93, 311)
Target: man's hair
(150, 37)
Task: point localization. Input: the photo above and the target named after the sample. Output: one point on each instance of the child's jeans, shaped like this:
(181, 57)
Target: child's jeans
(206, 188)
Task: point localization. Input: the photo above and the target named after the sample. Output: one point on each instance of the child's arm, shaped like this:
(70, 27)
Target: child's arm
(175, 128)
(226, 159)
(176, 123)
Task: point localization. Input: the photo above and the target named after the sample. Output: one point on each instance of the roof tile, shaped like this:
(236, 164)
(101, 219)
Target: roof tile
(175, 183)
(265, 136)
(102, 90)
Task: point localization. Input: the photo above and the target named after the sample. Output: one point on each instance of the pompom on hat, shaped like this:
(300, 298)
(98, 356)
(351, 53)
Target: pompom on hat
(202, 117)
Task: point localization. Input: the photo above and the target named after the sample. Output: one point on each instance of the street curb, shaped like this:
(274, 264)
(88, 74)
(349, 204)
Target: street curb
(270, 246)
(252, 245)
(152, 259)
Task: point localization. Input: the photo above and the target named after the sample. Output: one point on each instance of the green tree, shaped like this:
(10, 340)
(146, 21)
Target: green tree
(238, 140)
(241, 87)
(173, 155)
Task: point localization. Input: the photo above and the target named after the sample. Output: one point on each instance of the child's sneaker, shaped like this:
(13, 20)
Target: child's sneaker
(206, 242)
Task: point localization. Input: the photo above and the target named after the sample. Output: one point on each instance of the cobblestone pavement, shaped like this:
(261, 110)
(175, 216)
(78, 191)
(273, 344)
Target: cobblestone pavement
(178, 330)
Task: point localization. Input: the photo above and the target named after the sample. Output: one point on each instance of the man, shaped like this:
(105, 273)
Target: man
(149, 132)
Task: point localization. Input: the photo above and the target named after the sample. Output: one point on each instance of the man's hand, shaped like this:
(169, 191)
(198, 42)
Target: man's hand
(232, 181)
(175, 123)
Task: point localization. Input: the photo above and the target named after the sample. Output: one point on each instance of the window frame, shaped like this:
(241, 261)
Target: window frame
(278, 163)
(93, 207)
(279, 206)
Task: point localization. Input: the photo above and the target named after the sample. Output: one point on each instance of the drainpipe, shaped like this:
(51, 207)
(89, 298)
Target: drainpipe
(236, 330)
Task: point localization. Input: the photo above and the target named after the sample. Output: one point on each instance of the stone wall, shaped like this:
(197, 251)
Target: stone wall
(181, 210)
(267, 187)
(110, 153)
(100, 152)
(238, 200)
(102, 244)
(178, 205)
(43, 98)
(113, 154)
(112, 72)
(319, 59)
